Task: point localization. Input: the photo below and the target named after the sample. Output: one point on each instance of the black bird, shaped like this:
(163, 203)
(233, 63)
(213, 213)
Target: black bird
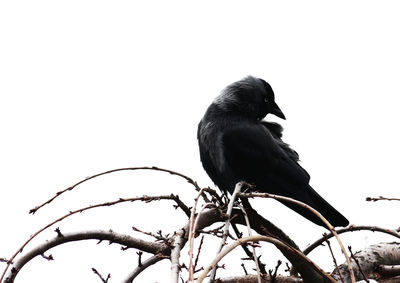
(236, 145)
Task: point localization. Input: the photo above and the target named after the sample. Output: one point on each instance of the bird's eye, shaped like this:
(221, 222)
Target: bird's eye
(266, 100)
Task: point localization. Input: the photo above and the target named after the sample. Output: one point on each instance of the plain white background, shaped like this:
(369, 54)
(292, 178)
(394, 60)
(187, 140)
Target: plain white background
(88, 86)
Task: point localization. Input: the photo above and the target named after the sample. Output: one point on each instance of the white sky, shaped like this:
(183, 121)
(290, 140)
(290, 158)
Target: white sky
(87, 86)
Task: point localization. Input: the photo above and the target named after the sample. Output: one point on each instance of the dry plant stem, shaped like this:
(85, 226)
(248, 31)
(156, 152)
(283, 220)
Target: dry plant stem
(192, 229)
(145, 264)
(189, 180)
(256, 238)
(253, 248)
(175, 253)
(381, 198)
(351, 228)
(358, 264)
(331, 228)
(127, 241)
(121, 200)
(236, 191)
(334, 260)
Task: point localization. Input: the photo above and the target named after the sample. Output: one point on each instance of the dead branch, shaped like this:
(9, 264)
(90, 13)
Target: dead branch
(380, 198)
(145, 264)
(121, 200)
(125, 240)
(192, 232)
(104, 280)
(334, 259)
(255, 258)
(225, 234)
(351, 228)
(189, 180)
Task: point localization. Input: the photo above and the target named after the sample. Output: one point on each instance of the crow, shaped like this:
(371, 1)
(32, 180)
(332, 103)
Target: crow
(237, 145)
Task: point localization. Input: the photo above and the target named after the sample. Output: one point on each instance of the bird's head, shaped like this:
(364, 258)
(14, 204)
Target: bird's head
(251, 97)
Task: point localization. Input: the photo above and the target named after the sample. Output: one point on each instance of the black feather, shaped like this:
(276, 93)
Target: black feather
(236, 145)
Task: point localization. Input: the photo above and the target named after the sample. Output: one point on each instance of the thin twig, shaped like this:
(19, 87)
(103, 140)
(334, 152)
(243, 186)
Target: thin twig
(236, 191)
(247, 252)
(101, 277)
(192, 229)
(380, 198)
(189, 180)
(145, 264)
(158, 237)
(351, 228)
(198, 252)
(334, 259)
(358, 264)
(254, 249)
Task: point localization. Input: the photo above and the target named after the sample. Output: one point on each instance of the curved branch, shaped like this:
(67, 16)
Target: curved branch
(128, 241)
(326, 222)
(152, 260)
(351, 228)
(189, 180)
(257, 238)
(121, 200)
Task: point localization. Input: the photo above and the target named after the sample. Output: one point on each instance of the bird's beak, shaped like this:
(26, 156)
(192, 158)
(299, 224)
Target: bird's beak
(277, 111)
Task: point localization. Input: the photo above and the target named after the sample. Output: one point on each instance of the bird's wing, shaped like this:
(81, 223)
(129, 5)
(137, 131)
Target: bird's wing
(254, 156)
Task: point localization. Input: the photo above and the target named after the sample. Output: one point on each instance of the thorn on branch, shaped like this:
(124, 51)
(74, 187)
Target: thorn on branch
(58, 231)
(4, 260)
(287, 267)
(101, 277)
(50, 257)
(244, 269)
(140, 253)
(273, 273)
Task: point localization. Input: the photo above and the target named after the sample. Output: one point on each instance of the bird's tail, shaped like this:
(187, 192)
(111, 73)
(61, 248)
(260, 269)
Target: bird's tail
(313, 199)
